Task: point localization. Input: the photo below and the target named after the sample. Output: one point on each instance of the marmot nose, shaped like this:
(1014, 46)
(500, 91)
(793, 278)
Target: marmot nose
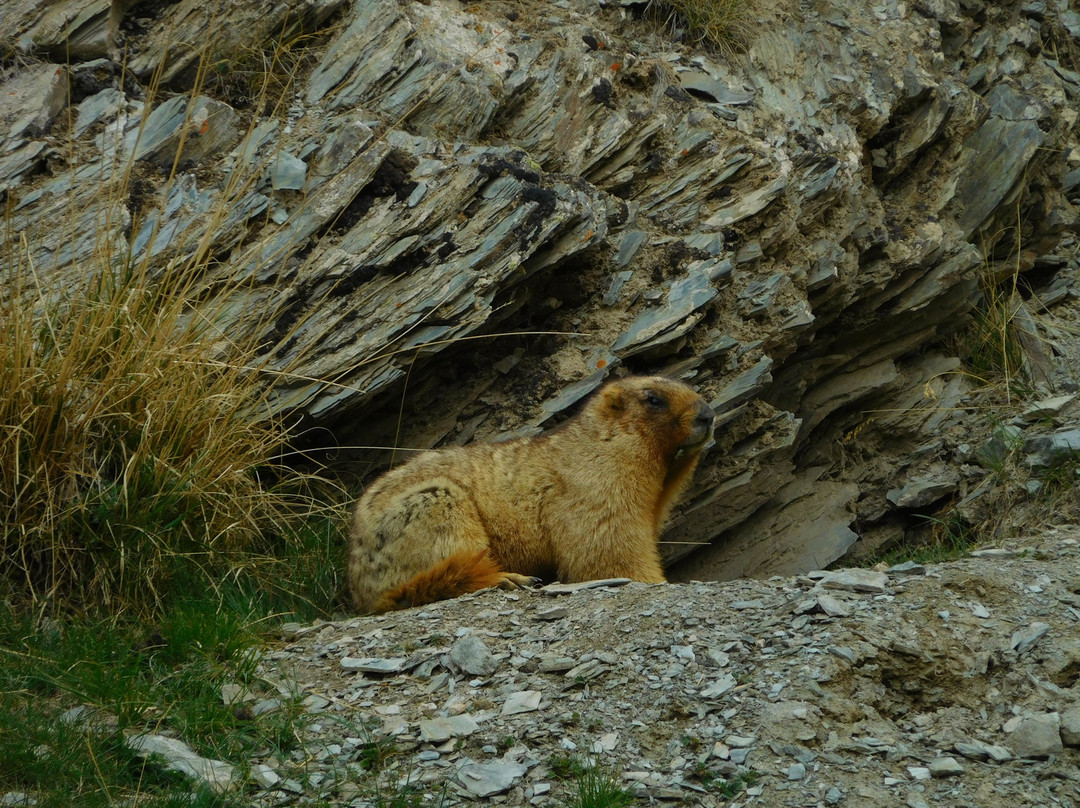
(705, 415)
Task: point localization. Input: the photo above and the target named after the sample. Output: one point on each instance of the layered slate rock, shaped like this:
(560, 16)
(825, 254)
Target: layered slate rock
(457, 221)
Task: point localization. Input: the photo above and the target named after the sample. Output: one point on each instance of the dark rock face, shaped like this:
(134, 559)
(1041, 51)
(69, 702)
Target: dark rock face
(474, 219)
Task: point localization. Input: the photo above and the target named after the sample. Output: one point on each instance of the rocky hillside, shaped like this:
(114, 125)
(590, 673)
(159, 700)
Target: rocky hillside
(447, 222)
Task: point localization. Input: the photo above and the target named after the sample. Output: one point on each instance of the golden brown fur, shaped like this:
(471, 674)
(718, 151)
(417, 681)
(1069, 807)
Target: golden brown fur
(587, 501)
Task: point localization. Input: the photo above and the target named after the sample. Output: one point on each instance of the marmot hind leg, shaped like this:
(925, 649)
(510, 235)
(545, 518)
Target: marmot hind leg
(423, 544)
(457, 575)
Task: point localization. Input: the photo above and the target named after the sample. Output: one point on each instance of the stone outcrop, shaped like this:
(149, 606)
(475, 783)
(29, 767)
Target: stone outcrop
(453, 222)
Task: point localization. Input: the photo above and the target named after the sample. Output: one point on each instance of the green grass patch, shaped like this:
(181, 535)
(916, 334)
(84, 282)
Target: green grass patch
(593, 786)
(128, 677)
(949, 539)
(725, 788)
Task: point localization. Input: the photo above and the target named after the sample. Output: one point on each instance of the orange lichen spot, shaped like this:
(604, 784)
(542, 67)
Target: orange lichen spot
(616, 66)
(600, 363)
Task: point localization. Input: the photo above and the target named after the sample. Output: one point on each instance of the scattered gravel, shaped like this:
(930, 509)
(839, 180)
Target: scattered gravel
(951, 684)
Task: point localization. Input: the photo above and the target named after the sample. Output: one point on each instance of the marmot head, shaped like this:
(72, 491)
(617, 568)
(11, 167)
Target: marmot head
(670, 418)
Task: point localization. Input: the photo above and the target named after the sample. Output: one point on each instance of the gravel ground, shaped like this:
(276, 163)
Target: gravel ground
(953, 684)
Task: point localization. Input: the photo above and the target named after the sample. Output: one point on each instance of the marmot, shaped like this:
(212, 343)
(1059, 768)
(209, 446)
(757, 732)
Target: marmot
(585, 501)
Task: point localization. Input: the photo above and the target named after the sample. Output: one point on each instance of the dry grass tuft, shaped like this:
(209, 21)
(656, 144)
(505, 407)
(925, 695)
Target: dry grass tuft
(722, 24)
(128, 457)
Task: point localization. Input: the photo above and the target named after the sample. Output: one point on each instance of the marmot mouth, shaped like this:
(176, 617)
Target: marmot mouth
(697, 442)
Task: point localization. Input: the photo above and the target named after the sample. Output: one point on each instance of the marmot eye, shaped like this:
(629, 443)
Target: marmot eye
(654, 401)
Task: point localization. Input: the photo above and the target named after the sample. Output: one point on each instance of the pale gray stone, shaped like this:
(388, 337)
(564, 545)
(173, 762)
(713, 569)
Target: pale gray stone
(287, 172)
(569, 589)
(1036, 736)
(485, 779)
(437, 730)
(856, 580)
(521, 701)
(1025, 639)
(1045, 450)
(374, 664)
(1070, 726)
(719, 687)
(32, 100)
(264, 775)
(217, 774)
(474, 657)
(945, 767)
(922, 491)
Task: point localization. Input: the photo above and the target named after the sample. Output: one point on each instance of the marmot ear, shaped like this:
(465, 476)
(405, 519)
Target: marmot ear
(613, 398)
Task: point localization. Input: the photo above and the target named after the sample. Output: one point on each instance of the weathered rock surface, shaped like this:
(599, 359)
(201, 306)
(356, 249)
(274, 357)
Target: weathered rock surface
(495, 209)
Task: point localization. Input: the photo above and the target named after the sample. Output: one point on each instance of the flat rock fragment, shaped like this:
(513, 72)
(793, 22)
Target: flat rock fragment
(1035, 736)
(486, 779)
(374, 664)
(522, 701)
(472, 655)
(217, 774)
(1025, 639)
(856, 580)
(945, 767)
(437, 730)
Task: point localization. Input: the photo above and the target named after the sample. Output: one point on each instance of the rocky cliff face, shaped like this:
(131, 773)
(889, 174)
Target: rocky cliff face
(450, 222)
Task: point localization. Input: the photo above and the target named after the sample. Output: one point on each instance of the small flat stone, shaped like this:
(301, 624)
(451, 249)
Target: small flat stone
(719, 687)
(569, 589)
(558, 613)
(907, 568)
(264, 775)
(523, 701)
(485, 779)
(556, 664)
(374, 664)
(314, 703)
(843, 652)
(1070, 726)
(996, 552)
(474, 657)
(264, 706)
(233, 694)
(437, 730)
(1025, 639)
(1036, 736)
(945, 767)
(743, 605)
(856, 580)
(977, 750)
(739, 741)
(1048, 407)
(833, 607)
(178, 756)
